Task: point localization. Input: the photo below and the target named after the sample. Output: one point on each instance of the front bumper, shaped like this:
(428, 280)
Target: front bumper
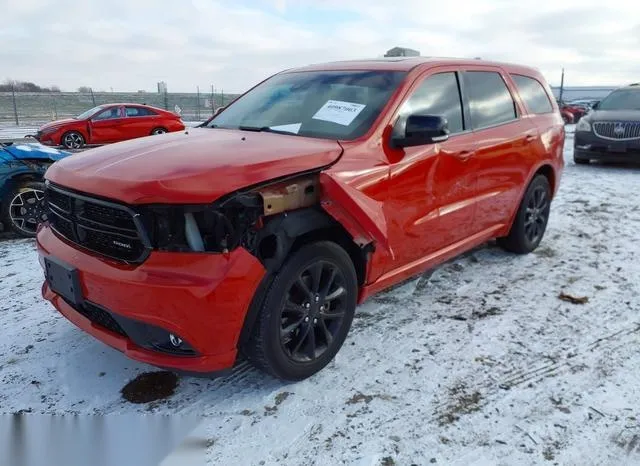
(203, 298)
(588, 146)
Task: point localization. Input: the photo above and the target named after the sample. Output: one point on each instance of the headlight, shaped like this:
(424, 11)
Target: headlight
(583, 125)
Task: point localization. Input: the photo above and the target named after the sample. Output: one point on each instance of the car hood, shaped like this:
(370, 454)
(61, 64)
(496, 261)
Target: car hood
(35, 151)
(58, 123)
(614, 115)
(197, 166)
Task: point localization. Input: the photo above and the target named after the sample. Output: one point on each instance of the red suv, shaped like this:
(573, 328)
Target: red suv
(259, 233)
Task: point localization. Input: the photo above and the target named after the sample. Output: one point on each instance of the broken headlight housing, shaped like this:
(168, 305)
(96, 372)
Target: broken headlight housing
(202, 228)
(228, 223)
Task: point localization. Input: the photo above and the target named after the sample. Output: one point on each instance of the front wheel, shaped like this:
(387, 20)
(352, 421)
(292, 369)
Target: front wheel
(531, 220)
(24, 209)
(306, 313)
(73, 140)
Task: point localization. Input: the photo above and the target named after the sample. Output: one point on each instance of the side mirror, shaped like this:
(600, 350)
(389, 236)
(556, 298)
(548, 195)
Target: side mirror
(595, 106)
(420, 130)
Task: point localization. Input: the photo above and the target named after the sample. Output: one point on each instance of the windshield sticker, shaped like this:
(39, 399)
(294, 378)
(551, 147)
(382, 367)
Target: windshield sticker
(292, 128)
(339, 112)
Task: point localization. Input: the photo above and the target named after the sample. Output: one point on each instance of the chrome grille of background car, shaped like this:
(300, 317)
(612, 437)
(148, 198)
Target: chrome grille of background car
(617, 129)
(100, 226)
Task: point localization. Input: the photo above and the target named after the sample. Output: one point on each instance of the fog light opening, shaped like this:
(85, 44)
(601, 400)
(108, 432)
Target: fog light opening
(176, 341)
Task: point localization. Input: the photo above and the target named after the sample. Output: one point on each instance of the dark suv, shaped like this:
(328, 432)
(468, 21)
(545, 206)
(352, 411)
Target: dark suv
(611, 132)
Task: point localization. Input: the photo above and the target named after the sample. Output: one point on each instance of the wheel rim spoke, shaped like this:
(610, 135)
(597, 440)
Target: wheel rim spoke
(316, 275)
(328, 337)
(304, 288)
(302, 338)
(340, 291)
(293, 307)
(310, 345)
(332, 315)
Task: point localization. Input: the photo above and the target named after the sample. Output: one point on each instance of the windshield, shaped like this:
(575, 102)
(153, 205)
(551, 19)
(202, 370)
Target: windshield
(89, 113)
(317, 104)
(621, 100)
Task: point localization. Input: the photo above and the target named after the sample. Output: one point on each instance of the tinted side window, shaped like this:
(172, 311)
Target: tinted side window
(490, 101)
(437, 95)
(138, 111)
(109, 114)
(533, 94)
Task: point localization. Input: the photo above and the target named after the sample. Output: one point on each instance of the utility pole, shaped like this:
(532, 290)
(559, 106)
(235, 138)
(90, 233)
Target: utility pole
(198, 103)
(93, 99)
(15, 107)
(561, 85)
(213, 110)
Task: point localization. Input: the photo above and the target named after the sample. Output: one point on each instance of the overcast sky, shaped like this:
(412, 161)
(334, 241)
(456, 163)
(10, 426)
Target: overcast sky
(133, 44)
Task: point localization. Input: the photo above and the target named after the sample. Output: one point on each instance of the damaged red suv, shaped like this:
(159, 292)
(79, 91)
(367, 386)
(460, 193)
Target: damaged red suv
(258, 234)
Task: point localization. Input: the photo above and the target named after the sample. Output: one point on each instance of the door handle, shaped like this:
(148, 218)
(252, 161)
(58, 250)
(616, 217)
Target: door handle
(465, 155)
(529, 138)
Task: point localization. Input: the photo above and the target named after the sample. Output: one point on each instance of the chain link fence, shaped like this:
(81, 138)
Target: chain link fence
(36, 108)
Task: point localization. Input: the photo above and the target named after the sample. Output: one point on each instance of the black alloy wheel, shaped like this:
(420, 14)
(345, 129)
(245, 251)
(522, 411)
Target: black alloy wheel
(313, 311)
(305, 312)
(531, 220)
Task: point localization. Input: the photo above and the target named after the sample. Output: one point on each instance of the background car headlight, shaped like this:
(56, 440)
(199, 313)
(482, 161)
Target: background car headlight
(583, 125)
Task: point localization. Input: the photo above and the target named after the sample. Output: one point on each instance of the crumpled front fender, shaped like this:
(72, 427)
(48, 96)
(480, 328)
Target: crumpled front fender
(362, 216)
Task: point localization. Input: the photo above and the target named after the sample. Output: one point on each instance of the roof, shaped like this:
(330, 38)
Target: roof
(403, 64)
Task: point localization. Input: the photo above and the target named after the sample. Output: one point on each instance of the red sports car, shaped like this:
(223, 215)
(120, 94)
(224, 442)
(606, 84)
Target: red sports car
(109, 123)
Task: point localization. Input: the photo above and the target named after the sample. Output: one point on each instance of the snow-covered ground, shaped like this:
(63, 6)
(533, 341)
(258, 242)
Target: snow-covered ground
(478, 363)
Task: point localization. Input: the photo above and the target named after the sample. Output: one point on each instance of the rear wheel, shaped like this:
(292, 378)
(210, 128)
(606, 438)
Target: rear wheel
(24, 208)
(306, 313)
(159, 131)
(531, 220)
(72, 140)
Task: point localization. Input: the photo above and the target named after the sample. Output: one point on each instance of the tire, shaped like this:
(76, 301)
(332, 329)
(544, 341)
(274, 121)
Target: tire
(159, 130)
(292, 342)
(72, 140)
(531, 219)
(578, 161)
(23, 208)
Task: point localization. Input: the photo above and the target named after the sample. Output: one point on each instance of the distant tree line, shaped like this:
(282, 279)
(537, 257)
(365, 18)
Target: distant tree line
(25, 86)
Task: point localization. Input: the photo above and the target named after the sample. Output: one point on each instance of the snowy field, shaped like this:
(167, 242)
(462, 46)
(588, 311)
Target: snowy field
(476, 363)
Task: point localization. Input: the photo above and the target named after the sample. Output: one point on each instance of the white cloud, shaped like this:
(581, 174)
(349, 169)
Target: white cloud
(131, 45)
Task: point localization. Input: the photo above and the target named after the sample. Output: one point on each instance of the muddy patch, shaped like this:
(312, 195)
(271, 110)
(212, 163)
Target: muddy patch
(150, 386)
(461, 401)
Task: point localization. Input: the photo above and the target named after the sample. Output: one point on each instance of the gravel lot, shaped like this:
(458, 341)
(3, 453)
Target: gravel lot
(479, 362)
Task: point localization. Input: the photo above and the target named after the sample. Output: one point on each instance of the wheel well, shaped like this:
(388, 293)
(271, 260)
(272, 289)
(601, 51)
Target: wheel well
(288, 234)
(339, 236)
(547, 170)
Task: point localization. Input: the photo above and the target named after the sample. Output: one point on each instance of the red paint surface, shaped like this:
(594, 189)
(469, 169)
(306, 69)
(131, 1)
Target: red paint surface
(418, 206)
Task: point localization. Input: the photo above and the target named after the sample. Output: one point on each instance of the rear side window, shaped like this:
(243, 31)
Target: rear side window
(437, 95)
(138, 111)
(533, 94)
(490, 102)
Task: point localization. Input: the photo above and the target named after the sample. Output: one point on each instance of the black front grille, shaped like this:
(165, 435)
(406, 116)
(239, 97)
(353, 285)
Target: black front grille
(100, 226)
(617, 129)
(100, 317)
